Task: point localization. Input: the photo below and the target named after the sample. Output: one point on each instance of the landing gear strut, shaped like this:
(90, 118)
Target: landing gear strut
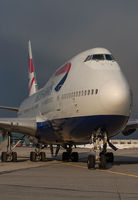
(10, 155)
(52, 150)
(69, 155)
(37, 155)
(100, 156)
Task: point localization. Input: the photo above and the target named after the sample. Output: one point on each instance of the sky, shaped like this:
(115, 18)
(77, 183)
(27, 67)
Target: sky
(59, 30)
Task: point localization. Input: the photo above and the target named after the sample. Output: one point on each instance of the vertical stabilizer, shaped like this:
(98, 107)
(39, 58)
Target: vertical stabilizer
(32, 79)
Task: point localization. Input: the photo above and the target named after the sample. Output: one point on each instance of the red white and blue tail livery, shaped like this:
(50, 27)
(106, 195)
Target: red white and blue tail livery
(32, 78)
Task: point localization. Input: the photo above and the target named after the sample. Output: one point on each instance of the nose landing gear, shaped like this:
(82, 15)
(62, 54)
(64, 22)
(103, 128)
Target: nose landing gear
(99, 157)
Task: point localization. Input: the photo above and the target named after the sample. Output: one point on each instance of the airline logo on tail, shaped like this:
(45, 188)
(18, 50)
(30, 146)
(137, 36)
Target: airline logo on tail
(32, 81)
(63, 70)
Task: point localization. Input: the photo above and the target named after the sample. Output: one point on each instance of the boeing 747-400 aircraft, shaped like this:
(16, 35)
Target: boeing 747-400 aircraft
(87, 100)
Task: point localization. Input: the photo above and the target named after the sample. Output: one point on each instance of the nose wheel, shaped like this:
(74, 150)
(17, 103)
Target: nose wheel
(91, 162)
(99, 157)
(103, 162)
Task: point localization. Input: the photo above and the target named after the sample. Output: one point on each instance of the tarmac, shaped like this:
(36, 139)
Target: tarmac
(54, 179)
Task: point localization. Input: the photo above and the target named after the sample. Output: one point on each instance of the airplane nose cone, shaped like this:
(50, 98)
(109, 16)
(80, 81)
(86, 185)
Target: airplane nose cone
(116, 98)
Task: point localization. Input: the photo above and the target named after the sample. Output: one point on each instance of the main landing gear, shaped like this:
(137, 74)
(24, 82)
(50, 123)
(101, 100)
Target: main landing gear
(100, 157)
(52, 150)
(37, 155)
(69, 155)
(10, 155)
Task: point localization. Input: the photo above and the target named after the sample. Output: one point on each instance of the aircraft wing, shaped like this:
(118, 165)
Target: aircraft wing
(9, 108)
(131, 127)
(18, 125)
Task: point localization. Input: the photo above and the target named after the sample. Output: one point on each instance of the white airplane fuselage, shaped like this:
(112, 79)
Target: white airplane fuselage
(80, 97)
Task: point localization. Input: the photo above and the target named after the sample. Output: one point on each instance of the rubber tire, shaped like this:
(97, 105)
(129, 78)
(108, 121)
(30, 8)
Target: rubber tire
(42, 156)
(65, 156)
(109, 157)
(14, 156)
(32, 156)
(74, 157)
(103, 161)
(4, 157)
(91, 161)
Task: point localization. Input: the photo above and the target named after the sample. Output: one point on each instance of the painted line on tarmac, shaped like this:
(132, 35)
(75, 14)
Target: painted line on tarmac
(119, 173)
(69, 164)
(108, 171)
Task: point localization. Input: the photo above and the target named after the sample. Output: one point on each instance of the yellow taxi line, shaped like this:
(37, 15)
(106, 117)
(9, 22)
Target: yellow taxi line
(108, 171)
(119, 173)
(73, 165)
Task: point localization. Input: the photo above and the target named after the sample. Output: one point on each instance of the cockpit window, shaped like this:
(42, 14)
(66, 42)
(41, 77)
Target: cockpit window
(109, 57)
(98, 57)
(88, 58)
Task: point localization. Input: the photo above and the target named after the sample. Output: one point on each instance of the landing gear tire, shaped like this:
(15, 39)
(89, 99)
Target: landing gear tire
(65, 156)
(11, 156)
(74, 157)
(32, 156)
(109, 157)
(42, 156)
(14, 157)
(91, 161)
(4, 157)
(103, 162)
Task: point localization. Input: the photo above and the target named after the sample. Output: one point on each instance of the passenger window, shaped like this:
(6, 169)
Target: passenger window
(92, 91)
(88, 92)
(96, 91)
(85, 92)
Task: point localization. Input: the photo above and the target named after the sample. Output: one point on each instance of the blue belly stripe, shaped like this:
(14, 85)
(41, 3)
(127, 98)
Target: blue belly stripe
(80, 128)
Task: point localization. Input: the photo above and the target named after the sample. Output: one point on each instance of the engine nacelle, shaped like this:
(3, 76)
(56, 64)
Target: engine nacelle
(128, 132)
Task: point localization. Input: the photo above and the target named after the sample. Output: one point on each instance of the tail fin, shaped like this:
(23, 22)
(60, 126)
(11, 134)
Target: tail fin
(32, 79)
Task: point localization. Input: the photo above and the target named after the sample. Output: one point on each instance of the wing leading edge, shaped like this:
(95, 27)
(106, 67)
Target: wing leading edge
(18, 125)
(9, 108)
